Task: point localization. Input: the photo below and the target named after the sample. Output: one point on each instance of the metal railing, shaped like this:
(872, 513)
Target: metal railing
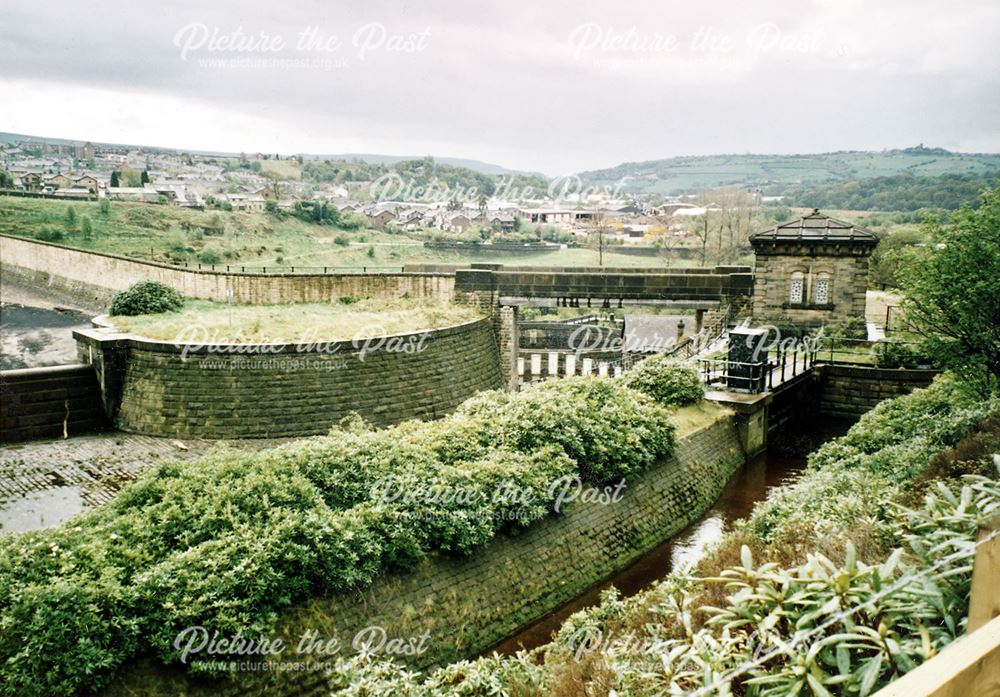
(756, 376)
(281, 269)
(864, 352)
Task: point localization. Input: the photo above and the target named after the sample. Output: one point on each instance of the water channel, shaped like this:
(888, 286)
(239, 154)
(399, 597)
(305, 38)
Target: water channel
(748, 486)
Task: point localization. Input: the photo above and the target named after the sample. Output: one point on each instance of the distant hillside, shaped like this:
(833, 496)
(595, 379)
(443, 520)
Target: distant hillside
(419, 174)
(685, 174)
(368, 158)
(900, 192)
(374, 159)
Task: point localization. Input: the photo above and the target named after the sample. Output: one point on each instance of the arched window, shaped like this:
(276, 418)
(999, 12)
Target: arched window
(797, 288)
(821, 289)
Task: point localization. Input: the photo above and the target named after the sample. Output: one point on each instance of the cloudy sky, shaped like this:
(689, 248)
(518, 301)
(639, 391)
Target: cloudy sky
(555, 87)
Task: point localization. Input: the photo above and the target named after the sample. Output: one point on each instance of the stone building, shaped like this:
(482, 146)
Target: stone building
(811, 271)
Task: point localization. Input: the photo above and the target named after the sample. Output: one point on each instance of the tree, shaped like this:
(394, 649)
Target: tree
(70, 217)
(274, 184)
(114, 179)
(6, 181)
(144, 178)
(952, 293)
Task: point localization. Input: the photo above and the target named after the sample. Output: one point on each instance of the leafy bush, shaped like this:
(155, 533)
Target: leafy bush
(853, 328)
(852, 479)
(146, 298)
(210, 255)
(847, 624)
(667, 382)
(47, 233)
(778, 631)
(226, 540)
(896, 354)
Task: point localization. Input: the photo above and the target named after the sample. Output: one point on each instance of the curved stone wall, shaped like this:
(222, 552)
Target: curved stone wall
(268, 391)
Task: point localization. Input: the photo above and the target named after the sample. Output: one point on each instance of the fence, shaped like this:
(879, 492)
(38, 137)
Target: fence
(559, 364)
(284, 270)
(756, 376)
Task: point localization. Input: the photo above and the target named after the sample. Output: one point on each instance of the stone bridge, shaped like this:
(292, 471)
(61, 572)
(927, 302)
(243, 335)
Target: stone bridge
(692, 288)
(501, 290)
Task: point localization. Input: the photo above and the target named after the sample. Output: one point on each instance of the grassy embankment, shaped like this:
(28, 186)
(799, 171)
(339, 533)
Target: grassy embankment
(171, 234)
(299, 321)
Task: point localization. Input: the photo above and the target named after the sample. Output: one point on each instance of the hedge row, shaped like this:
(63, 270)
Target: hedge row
(226, 540)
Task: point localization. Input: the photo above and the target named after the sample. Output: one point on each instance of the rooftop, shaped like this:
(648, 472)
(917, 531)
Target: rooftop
(815, 227)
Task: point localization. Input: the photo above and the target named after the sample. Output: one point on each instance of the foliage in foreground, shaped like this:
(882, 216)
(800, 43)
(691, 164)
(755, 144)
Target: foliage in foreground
(146, 298)
(952, 291)
(668, 382)
(846, 622)
(225, 541)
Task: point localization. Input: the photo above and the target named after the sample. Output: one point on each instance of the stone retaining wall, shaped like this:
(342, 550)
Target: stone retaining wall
(150, 387)
(50, 402)
(468, 605)
(849, 391)
(95, 277)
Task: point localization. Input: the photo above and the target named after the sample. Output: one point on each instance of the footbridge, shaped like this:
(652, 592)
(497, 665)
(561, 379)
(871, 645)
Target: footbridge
(692, 288)
(501, 290)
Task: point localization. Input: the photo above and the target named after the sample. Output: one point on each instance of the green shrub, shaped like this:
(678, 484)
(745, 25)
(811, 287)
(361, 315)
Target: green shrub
(897, 354)
(610, 430)
(146, 298)
(227, 540)
(909, 602)
(47, 233)
(210, 255)
(667, 382)
(853, 328)
(852, 478)
(342, 240)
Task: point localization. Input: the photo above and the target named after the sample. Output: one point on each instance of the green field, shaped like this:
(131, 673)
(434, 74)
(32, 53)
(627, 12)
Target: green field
(169, 234)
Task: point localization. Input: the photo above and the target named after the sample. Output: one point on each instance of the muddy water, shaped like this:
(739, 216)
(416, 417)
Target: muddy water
(40, 509)
(747, 487)
(37, 336)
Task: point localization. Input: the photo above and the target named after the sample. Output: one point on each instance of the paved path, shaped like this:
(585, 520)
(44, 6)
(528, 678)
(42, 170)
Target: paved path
(45, 482)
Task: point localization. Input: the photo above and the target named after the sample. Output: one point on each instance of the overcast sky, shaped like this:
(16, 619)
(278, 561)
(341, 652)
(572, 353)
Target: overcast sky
(555, 87)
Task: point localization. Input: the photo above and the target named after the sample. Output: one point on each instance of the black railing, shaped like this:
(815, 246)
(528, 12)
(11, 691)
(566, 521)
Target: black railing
(281, 269)
(756, 376)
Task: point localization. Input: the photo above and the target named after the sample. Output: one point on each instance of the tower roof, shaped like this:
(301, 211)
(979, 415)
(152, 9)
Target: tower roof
(815, 227)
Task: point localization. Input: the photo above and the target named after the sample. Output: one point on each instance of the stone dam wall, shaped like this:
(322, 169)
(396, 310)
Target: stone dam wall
(52, 402)
(470, 604)
(95, 277)
(268, 391)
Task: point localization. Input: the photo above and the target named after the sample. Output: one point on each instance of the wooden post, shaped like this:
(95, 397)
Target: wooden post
(971, 665)
(984, 604)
